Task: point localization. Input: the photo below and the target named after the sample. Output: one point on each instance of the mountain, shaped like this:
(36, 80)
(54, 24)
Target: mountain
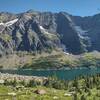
(34, 31)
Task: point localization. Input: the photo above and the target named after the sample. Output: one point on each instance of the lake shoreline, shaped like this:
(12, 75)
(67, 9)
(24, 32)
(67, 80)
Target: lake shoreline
(66, 74)
(67, 68)
(7, 76)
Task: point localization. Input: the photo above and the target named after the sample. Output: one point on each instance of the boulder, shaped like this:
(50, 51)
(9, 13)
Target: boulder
(40, 91)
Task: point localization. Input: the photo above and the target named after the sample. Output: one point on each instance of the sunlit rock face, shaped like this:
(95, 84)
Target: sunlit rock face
(41, 31)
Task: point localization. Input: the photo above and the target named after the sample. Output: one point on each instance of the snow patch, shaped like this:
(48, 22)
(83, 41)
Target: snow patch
(1, 23)
(9, 23)
(44, 30)
(66, 53)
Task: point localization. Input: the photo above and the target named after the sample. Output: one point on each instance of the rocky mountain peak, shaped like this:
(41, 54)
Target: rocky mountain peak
(34, 31)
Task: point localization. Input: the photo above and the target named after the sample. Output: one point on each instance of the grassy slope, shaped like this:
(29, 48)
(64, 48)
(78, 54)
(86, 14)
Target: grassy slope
(51, 60)
(21, 59)
(28, 94)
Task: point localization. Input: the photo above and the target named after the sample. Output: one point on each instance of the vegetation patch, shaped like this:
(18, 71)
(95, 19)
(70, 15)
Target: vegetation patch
(81, 88)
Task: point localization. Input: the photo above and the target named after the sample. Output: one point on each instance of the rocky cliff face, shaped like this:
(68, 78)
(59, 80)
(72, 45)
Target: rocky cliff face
(36, 31)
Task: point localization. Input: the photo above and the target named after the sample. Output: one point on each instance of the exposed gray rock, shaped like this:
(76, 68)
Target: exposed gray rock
(42, 31)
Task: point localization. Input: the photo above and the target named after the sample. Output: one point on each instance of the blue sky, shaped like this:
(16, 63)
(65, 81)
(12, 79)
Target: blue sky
(75, 7)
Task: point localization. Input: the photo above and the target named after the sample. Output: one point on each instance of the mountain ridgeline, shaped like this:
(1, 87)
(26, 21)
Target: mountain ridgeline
(34, 31)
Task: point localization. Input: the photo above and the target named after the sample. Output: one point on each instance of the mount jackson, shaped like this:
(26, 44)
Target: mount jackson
(42, 31)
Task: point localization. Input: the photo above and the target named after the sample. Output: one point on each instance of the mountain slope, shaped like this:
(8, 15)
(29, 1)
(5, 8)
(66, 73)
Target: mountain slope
(45, 31)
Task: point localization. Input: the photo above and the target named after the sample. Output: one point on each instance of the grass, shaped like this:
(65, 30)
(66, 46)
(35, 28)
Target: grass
(5, 37)
(28, 94)
(79, 87)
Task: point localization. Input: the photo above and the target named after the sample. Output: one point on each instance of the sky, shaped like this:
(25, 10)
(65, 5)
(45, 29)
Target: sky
(74, 7)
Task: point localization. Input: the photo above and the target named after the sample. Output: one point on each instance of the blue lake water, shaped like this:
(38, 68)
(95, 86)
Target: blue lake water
(61, 74)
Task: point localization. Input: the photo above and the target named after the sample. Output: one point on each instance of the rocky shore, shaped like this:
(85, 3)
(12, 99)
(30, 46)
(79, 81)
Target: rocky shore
(11, 77)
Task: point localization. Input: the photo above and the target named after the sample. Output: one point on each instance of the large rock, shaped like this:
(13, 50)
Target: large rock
(40, 91)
